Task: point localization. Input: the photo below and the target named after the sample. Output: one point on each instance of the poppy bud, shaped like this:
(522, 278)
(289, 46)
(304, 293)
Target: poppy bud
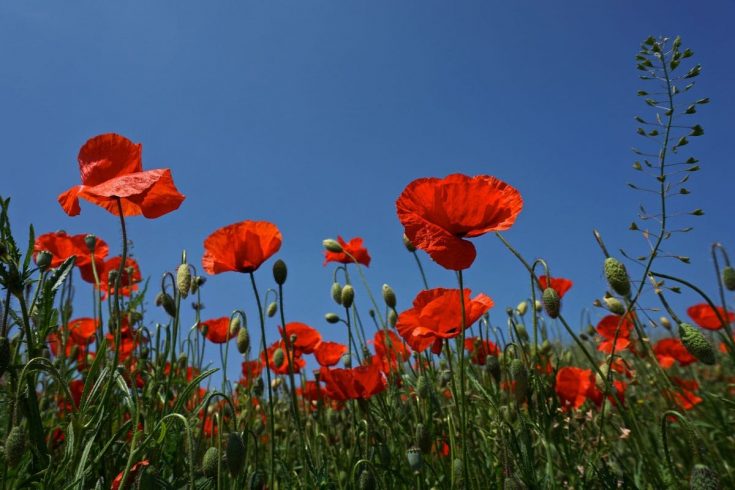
(614, 305)
(43, 259)
(389, 296)
(278, 357)
(256, 480)
(665, 322)
(167, 302)
(183, 280)
(209, 462)
(272, 309)
(332, 245)
(492, 366)
(337, 292)
(522, 332)
(15, 446)
(243, 340)
(392, 318)
(520, 376)
(407, 243)
(347, 361)
(258, 387)
(703, 478)
(90, 241)
(552, 302)
(423, 388)
(196, 283)
(697, 344)
(366, 480)
(728, 278)
(617, 276)
(4, 354)
(235, 453)
(522, 308)
(545, 347)
(331, 318)
(538, 306)
(280, 272)
(414, 458)
(348, 295)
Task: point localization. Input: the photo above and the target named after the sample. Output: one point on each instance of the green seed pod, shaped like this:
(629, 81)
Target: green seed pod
(278, 357)
(331, 318)
(183, 280)
(414, 458)
(703, 478)
(552, 302)
(256, 480)
(614, 305)
(235, 453)
(4, 354)
(337, 292)
(617, 276)
(348, 295)
(209, 462)
(520, 376)
(392, 318)
(167, 302)
(728, 278)
(389, 296)
(423, 388)
(423, 438)
(492, 366)
(15, 446)
(272, 309)
(407, 243)
(366, 480)
(697, 344)
(332, 245)
(280, 272)
(243, 340)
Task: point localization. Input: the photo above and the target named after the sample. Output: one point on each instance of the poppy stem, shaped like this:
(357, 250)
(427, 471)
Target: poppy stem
(463, 400)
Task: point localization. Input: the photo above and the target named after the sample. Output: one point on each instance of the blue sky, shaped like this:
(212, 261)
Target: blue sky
(315, 115)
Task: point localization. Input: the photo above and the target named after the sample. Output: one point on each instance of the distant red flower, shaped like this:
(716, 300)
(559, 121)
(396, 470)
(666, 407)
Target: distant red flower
(76, 388)
(607, 328)
(298, 362)
(619, 386)
(558, 284)
(250, 372)
(82, 330)
(128, 282)
(573, 386)
(132, 475)
(240, 247)
(307, 338)
(684, 396)
(479, 350)
(670, 350)
(706, 317)
(56, 344)
(217, 330)
(328, 354)
(128, 341)
(437, 315)
(62, 246)
(354, 248)
(312, 393)
(390, 350)
(357, 383)
(111, 168)
(438, 214)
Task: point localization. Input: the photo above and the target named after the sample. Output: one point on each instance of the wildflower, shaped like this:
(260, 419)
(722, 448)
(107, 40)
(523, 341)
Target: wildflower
(350, 249)
(480, 349)
(685, 397)
(301, 337)
(607, 328)
(438, 214)
(112, 172)
(389, 350)
(706, 317)
(132, 474)
(82, 330)
(328, 354)
(670, 350)
(357, 383)
(217, 330)
(240, 247)
(250, 371)
(128, 281)
(269, 358)
(62, 246)
(558, 284)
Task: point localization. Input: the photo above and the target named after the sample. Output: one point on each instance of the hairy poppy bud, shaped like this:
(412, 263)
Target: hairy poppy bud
(209, 462)
(331, 317)
(278, 357)
(389, 296)
(337, 292)
(552, 302)
(407, 243)
(90, 241)
(256, 480)
(43, 259)
(196, 283)
(697, 344)
(348, 295)
(15, 446)
(617, 276)
(280, 272)
(167, 302)
(423, 438)
(272, 309)
(347, 361)
(492, 366)
(4, 354)
(538, 306)
(235, 453)
(522, 332)
(243, 340)
(665, 322)
(520, 376)
(728, 278)
(392, 318)
(522, 308)
(703, 478)
(332, 245)
(423, 388)
(414, 458)
(366, 480)
(614, 305)
(183, 280)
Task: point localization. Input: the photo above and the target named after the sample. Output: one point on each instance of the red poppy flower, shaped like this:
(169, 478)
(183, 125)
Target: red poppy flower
(685, 396)
(595, 394)
(62, 246)
(357, 383)
(573, 385)
(218, 330)
(607, 328)
(558, 284)
(128, 281)
(111, 168)
(354, 248)
(132, 475)
(479, 349)
(438, 214)
(298, 362)
(328, 354)
(390, 350)
(668, 351)
(437, 315)
(250, 372)
(307, 339)
(82, 330)
(76, 388)
(240, 247)
(128, 342)
(704, 316)
(312, 393)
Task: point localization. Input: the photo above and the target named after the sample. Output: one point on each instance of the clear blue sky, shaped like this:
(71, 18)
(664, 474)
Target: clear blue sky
(314, 115)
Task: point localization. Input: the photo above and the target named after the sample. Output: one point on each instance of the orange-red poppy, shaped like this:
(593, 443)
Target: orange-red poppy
(479, 349)
(76, 388)
(684, 396)
(350, 384)
(298, 362)
(706, 317)
(240, 247)
(595, 394)
(302, 337)
(351, 249)
(217, 330)
(111, 169)
(670, 350)
(438, 214)
(607, 328)
(573, 386)
(62, 246)
(390, 350)
(132, 475)
(437, 315)
(128, 281)
(328, 354)
(56, 344)
(250, 372)
(558, 284)
(82, 330)
(128, 341)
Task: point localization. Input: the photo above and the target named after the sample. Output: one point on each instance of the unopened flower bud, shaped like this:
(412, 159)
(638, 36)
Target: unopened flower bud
(407, 243)
(272, 309)
(389, 296)
(90, 241)
(43, 259)
(243, 340)
(280, 272)
(520, 376)
(183, 280)
(331, 318)
(552, 302)
(165, 300)
(347, 361)
(414, 458)
(614, 305)
(728, 278)
(492, 366)
(665, 322)
(15, 446)
(703, 478)
(258, 387)
(522, 332)
(366, 480)
(423, 388)
(522, 308)
(617, 276)
(337, 292)
(278, 357)
(538, 306)
(392, 318)
(697, 344)
(235, 453)
(209, 462)
(332, 245)
(348, 295)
